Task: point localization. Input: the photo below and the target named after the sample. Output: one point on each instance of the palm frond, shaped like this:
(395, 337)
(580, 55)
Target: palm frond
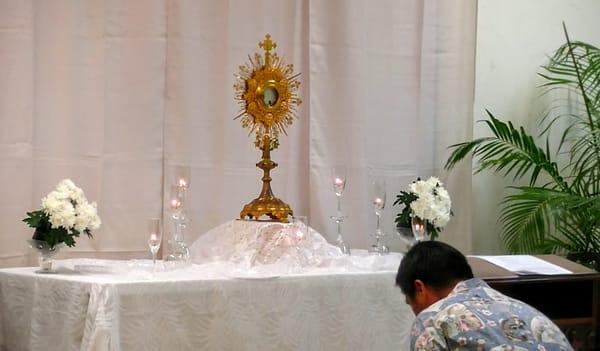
(537, 219)
(579, 230)
(509, 151)
(462, 150)
(525, 218)
(575, 66)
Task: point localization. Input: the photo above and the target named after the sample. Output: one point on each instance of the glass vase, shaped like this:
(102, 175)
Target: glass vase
(46, 255)
(406, 237)
(419, 229)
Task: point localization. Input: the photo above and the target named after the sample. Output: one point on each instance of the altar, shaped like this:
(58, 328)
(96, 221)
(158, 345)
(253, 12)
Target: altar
(130, 305)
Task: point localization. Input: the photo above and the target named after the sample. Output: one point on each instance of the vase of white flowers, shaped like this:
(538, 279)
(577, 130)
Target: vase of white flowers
(65, 214)
(426, 208)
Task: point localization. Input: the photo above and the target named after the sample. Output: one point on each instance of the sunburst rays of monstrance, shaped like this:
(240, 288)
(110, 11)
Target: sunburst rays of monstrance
(266, 89)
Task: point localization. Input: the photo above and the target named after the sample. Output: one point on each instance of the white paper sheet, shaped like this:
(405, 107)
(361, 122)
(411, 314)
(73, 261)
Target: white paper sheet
(525, 264)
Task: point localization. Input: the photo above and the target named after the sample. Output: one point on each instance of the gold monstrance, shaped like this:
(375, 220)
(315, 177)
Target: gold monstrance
(266, 91)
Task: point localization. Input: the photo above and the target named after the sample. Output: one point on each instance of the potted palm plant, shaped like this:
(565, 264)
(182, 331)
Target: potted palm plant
(558, 211)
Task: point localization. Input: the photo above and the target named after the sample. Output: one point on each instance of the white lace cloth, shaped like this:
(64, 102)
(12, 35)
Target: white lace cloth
(271, 248)
(333, 303)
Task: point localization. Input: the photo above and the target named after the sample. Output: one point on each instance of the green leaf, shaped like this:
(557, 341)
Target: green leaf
(36, 219)
(404, 199)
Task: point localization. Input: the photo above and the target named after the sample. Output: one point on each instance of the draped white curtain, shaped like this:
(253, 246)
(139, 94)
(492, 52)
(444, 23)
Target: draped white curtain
(113, 94)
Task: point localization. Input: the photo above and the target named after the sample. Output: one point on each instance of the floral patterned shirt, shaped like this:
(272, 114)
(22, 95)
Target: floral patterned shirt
(476, 317)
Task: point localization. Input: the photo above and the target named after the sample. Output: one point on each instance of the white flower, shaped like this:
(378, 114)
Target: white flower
(65, 186)
(52, 202)
(67, 207)
(62, 215)
(419, 187)
(433, 202)
(87, 217)
(70, 190)
(433, 182)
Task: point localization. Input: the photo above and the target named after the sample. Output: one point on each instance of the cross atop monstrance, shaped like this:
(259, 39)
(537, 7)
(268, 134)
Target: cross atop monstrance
(267, 44)
(266, 91)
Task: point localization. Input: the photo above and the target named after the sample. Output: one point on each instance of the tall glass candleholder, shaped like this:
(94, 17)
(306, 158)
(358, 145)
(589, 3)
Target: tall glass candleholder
(179, 249)
(377, 193)
(339, 184)
(181, 175)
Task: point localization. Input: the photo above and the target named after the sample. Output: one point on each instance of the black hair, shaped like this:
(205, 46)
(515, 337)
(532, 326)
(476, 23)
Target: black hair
(436, 264)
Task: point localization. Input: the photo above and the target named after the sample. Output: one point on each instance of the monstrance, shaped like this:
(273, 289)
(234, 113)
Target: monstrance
(266, 89)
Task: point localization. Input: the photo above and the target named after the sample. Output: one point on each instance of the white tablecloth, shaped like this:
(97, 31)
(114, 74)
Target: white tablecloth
(120, 305)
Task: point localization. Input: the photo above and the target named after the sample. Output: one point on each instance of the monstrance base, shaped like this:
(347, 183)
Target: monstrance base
(273, 207)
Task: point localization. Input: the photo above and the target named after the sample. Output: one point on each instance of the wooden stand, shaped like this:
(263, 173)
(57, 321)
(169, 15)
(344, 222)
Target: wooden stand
(572, 301)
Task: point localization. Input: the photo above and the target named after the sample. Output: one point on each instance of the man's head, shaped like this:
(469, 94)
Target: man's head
(428, 273)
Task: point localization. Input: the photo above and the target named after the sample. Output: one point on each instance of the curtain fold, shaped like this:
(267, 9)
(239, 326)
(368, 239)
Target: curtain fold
(391, 88)
(114, 94)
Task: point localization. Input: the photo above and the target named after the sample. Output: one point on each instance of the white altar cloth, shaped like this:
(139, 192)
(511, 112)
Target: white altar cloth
(122, 305)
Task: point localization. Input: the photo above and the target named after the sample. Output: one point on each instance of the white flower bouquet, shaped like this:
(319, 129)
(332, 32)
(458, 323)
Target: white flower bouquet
(65, 214)
(427, 200)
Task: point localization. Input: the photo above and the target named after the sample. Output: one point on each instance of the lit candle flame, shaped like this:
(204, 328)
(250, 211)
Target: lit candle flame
(175, 203)
(182, 183)
(419, 229)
